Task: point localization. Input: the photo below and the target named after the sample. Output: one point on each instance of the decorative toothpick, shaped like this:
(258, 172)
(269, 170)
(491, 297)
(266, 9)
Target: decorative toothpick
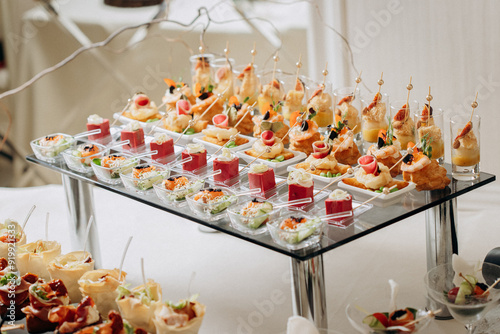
(325, 73)
(409, 87)
(202, 52)
(226, 52)
(358, 80)
(385, 191)
(298, 65)
(123, 110)
(350, 172)
(249, 109)
(276, 59)
(380, 82)
(429, 99)
(253, 52)
(474, 106)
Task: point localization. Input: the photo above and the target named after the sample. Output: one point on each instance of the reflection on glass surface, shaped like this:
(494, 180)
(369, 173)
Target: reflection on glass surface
(376, 218)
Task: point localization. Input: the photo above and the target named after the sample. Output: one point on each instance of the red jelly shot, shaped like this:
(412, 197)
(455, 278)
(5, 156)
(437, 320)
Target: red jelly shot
(199, 160)
(338, 205)
(296, 191)
(104, 127)
(164, 149)
(136, 138)
(265, 180)
(229, 169)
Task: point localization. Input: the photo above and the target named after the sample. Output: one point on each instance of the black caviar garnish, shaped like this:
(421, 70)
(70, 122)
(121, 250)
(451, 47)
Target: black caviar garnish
(255, 200)
(171, 89)
(397, 314)
(142, 167)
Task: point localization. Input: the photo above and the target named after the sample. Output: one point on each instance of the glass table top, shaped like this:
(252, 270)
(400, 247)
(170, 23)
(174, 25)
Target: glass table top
(334, 236)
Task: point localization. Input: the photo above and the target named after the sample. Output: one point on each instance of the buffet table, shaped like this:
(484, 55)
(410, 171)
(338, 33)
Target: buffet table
(308, 284)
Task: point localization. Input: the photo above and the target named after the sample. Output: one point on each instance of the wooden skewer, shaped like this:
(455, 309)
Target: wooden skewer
(337, 179)
(226, 52)
(358, 80)
(206, 110)
(378, 195)
(202, 52)
(251, 162)
(491, 287)
(407, 152)
(380, 82)
(12, 327)
(325, 73)
(246, 113)
(429, 314)
(298, 65)
(230, 140)
(253, 52)
(124, 109)
(409, 87)
(156, 125)
(343, 141)
(474, 106)
(276, 59)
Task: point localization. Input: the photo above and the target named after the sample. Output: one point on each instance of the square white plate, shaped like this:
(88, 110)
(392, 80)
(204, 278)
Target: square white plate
(186, 139)
(212, 148)
(125, 120)
(279, 167)
(382, 200)
(318, 180)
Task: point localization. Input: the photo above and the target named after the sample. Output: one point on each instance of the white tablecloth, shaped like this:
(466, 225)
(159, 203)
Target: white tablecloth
(246, 287)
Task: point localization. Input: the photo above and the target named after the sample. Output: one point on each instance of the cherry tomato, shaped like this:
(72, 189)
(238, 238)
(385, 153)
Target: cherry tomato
(452, 294)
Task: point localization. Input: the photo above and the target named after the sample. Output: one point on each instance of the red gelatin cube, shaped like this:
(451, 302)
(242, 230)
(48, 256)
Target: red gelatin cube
(296, 191)
(164, 149)
(264, 181)
(104, 126)
(136, 138)
(229, 169)
(336, 206)
(199, 160)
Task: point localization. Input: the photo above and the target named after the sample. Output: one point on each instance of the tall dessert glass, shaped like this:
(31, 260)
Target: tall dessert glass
(465, 146)
(429, 125)
(347, 104)
(402, 121)
(224, 77)
(202, 71)
(374, 115)
(471, 308)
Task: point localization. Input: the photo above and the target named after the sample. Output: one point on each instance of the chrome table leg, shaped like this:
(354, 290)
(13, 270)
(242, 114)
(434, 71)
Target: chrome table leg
(80, 201)
(442, 242)
(308, 290)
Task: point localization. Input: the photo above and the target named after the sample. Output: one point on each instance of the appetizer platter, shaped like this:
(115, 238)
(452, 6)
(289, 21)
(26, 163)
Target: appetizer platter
(214, 144)
(286, 170)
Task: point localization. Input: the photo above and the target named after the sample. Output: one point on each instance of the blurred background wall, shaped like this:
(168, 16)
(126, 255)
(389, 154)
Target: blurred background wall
(452, 46)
